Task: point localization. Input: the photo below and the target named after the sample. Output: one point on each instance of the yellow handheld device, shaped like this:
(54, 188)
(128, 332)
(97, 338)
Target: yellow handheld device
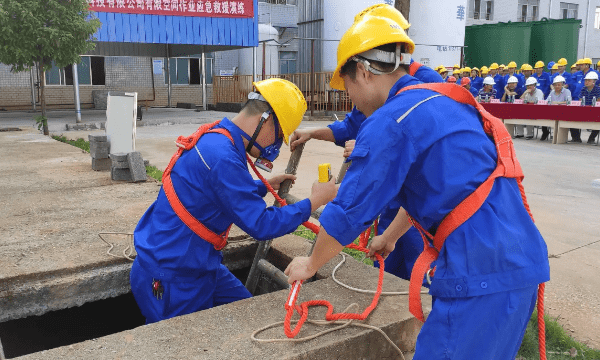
(324, 172)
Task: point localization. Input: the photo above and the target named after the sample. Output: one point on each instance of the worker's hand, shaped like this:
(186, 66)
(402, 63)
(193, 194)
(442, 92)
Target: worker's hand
(276, 181)
(348, 147)
(299, 269)
(299, 137)
(382, 246)
(322, 193)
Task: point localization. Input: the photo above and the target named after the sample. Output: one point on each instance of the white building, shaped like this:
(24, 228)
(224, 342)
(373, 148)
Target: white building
(493, 11)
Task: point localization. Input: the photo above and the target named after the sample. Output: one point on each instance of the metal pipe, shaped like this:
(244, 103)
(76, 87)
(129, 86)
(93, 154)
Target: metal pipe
(254, 64)
(76, 90)
(168, 79)
(203, 81)
(32, 89)
(587, 27)
(274, 273)
(312, 78)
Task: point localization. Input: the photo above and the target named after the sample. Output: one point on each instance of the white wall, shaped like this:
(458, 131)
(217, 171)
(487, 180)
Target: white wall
(432, 24)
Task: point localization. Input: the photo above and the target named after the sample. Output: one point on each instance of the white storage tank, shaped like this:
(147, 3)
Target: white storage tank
(338, 16)
(441, 24)
(265, 32)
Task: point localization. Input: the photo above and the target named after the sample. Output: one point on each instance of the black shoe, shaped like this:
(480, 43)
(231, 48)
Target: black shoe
(544, 137)
(591, 141)
(518, 136)
(529, 137)
(575, 141)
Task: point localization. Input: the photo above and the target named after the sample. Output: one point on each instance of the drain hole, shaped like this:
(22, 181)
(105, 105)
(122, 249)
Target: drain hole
(65, 327)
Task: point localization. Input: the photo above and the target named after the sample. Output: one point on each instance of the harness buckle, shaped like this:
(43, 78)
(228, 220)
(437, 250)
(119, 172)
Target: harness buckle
(428, 275)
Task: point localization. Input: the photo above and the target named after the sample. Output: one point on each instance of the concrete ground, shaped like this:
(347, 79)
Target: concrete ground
(562, 184)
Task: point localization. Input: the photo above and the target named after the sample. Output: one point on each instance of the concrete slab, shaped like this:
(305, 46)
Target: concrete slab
(224, 332)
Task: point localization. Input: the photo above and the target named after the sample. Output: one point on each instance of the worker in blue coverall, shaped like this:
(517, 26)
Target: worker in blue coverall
(343, 133)
(542, 77)
(498, 80)
(488, 271)
(213, 183)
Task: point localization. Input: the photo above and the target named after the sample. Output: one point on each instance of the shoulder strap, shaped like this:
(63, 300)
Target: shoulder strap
(412, 69)
(186, 143)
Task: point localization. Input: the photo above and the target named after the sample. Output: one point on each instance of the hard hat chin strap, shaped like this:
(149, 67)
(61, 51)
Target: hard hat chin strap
(397, 58)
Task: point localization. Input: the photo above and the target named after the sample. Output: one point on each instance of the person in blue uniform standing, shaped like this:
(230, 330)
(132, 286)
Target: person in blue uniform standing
(542, 77)
(343, 133)
(476, 80)
(512, 68)
(498, 80)
(561, 65)
(487, 272)
(178, 267)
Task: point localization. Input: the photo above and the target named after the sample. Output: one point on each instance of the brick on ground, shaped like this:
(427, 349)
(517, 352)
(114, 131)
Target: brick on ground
(120, 174)
(136, 166)
(101, 164)
(99, 150)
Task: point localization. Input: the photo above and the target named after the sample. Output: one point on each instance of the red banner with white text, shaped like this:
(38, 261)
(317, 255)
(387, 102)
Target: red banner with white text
(204, 8)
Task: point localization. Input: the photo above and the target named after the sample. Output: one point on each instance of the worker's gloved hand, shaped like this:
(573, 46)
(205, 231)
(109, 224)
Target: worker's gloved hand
(299, 137)
(348, 147)
(276, 181)
(322, 193)
(382, 246)
(300, 269)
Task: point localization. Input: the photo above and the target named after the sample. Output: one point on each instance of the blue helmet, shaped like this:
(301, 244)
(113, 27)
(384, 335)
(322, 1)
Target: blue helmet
(550, 65)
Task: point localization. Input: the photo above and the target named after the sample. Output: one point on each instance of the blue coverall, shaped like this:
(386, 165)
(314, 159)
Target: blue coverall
(579, 82)
(485, 284)
(213, 183)
(499, 86)
(476, 83)
(543, 83)
(400, 261)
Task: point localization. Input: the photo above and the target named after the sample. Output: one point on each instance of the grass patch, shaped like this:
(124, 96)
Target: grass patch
(80, 143)
(151, 170)
(154, 172)
(306, 233)
(558, 342)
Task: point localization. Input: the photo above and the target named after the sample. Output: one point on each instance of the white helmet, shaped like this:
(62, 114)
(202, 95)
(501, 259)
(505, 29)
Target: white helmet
(512, 79)
(530, 81)
(489, 81)
(558, 78)
(591, 75)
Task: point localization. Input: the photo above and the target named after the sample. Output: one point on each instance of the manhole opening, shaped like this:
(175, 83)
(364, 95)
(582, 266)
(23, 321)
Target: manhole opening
(90, 321)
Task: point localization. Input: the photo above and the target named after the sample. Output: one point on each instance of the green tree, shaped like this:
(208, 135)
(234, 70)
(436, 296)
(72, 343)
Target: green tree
(39, 32)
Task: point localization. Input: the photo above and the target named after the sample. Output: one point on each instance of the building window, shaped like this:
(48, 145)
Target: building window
(481, 9)
(597, 19)
(210, 64)
(568, 11)
(287, 62)
(90, 71)
(528, 10)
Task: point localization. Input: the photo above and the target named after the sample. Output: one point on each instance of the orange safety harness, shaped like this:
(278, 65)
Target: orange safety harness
(507, 166)
(413, 67)
(186, 143)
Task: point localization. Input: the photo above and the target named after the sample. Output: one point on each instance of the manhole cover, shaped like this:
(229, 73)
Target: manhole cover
(10, 129)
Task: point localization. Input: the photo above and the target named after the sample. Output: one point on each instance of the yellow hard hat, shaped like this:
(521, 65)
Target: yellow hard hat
(484, 69)
(512, 64)
(456, 72)
(467, 69)
(574, 65)
(586, 61)
(501, 66)
(366, 34)
(475, 68)
(562, 62)
(442, 69)
(526, 67)
(555, 66)
(494, 66)
(386, 11)
(539, 64)
(287, 102)
(456, 66)
(578, 62)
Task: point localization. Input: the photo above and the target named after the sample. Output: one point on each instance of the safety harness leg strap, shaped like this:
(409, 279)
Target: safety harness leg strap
(186, 143)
